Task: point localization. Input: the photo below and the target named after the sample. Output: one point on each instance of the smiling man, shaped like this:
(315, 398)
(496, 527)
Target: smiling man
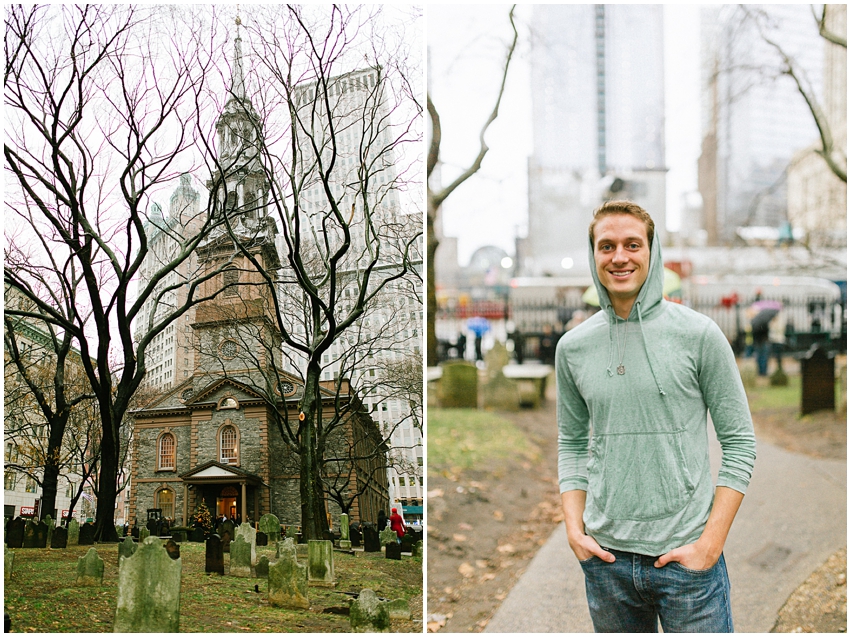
(638, 379)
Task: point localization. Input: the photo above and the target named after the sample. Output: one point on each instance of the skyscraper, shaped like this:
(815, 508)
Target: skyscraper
(753, 117)
(598, 125)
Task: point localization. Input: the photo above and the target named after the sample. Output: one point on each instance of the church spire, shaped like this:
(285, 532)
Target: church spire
(237, 85)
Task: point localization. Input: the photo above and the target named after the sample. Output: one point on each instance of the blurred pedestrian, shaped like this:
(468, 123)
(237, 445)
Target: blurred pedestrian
(397, 524)
(382, 520)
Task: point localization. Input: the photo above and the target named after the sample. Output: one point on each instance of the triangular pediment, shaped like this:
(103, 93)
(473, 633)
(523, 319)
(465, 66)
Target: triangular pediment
(213, 470)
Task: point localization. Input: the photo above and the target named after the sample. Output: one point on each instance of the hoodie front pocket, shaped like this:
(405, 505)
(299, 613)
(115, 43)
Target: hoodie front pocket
(639, 476)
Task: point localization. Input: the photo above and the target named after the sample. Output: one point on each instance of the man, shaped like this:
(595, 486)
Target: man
(638, 378)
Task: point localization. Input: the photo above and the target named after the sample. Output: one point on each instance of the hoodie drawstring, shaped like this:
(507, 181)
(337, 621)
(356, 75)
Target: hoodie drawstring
(611, 345)
(647, 353)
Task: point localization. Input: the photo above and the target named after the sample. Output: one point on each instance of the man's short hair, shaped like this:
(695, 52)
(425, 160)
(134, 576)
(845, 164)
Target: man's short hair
(623, 207)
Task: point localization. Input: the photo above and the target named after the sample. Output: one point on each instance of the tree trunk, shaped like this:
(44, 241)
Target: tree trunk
(107, 484)
(313, 520)
(431, 301)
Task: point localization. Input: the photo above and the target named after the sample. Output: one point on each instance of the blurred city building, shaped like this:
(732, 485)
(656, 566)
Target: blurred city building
(753, 118)
(598, 106)
(817, 197)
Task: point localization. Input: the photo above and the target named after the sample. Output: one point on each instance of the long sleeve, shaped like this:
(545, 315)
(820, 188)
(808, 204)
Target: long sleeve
(573, 428)
(725, 396)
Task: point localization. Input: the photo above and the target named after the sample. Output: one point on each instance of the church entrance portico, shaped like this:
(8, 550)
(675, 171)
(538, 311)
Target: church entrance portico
(225, 490)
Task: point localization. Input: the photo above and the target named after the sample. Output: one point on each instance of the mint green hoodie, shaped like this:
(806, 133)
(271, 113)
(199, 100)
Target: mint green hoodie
(648, 483)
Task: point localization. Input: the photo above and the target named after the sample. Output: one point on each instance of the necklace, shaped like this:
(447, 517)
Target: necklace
(621, 351)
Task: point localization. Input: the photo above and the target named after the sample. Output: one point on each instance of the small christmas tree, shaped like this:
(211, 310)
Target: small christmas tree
(203, 518)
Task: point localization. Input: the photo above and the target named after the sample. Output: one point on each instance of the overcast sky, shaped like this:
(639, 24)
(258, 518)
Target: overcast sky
(467, 47)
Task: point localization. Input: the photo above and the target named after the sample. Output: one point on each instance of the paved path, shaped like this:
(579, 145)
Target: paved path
(792, 519)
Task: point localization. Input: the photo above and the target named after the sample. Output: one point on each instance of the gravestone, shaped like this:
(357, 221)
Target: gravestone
(197, 535)
(59, 538)
(90, 569)
(271, 526)
(226, 540)
(226, 526)
(134, 532)
(417, 549)
(15, 533)
(398, 609)
(247, 532)
(368, 615)
(458, 386)
(407, 544)
(320, 563)
(8, 563)
(292, 532)
(48, 520)
(388, 536)
(262, 539)
(240, 558)
(288, 578)
(148, 591)
(393, 551)
(126, 548)
(345, 541)
(86, 536)
(215, 557)
(818, 380)
(371, 542)
(173, 549)
(144, 533)
(35, 535)
(262, 568)
(73, 531)
(355, 536)
(501, 393)
(179, 536)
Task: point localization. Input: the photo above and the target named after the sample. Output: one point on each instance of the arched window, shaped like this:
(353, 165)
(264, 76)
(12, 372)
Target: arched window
(165, 501)
(166, 453)
(229, 445)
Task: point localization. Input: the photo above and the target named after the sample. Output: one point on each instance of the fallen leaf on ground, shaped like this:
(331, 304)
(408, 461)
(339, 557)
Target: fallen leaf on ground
(435, 493)
(482, 563)
(459, 538)
(477, 485)
(498, 515)
(466, 570)
(506, 548)
(465, 527)
(487, 576)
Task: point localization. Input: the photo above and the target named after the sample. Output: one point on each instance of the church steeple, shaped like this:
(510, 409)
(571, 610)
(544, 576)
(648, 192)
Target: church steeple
(237, 84)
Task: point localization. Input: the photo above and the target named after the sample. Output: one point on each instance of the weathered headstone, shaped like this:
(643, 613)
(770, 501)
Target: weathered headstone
(500, 393)
(371, 542)
(173, 549)
(262, 567)
(247, 532)
(292, 532)
(459, 385)
(197, 535)
(126, 548)
(320, 563)
(90, 569)
(226, 526)
(388, 536)
(262, 539)
(288, 578)
(398, 609)
(35, 535)
(86, 536)
(345, 541)
(144, 533)
(8, 563)
(417, 549)
(215, 557)
(284, 547)
(271, 526)
(368, 615)
(73, 531)
(227, 538)
(355, 536)
(48, 520)
(59, 538)
(148, 591)
(393, 551)
(818, 380)
(240, 557)
(407, 542)
(15, 533)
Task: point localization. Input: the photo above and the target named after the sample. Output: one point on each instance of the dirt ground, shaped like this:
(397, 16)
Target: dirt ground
(484, 527)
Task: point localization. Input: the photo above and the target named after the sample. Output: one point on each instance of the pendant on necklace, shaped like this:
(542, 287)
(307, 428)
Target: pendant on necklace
(621, 370)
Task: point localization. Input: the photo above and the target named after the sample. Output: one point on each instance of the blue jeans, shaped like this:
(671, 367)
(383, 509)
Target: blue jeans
(630, 594)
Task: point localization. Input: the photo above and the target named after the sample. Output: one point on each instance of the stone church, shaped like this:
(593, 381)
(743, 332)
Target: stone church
(215, 436)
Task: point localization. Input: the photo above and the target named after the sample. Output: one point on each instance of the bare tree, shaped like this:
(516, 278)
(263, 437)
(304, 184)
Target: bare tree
(437, 197)
(103, 102)
(833, 155)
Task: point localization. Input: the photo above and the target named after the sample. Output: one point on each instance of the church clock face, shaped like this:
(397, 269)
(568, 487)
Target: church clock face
(229, 349)
(287, 388)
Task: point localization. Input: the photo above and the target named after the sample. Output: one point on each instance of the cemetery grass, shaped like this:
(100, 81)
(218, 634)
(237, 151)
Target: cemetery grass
(42, 597)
